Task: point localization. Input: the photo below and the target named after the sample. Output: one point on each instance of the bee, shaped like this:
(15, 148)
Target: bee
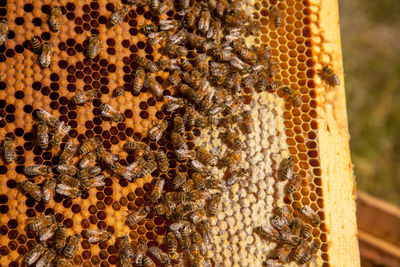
(195, 194)
(268, 232)
(214, 33)
(329, 76)
(233, 140)
(126, 247)
(96, 181)
(247, 55)
(46, 55)
(60, 237)
(284, 212)
(161, 209)
(157, 190)
(41, 223)
(199, 180)
(48, 190)
(139, 80)
(89, 172)
(147, 169)
(8, 150)
(294, 184)
(35, 170)
(66, 169)
(156, 38)
(147, 64)
(179, 126)
(137, 216)
(47, 258)
(72, 246)
(296, 226)
(276, 16)
(3, 31)
(97, 235)
(161, 8)
(195, 250)
(192, 15)
(285, 171)
(272, 263)
(185, 65)
(247, 123)
(178, 141)
(294, 96)
(93, 47)
(236, 174)
(43, 135)
(36, 44)
(205, 20)
(47, 233)
(187, 186)
(118, 16)
(231, 159)
(199, 167)
(310, 213)
(197, 239)
(161, 257)
(197, 216)
(189, 116)
(34, 254)
(89, 145)
(185, 237)
(253, 27)
(119, 91)
(178, 180)
(173, 50)
(306, 231)
(125, 261)
(153, 85)
(175, 196)
(300, 250)
(157, 131)
(287, 236)
(71, 192)
(69, 181)
(88, 160)
(162, 161)
(61, 131)
(60, 262)
(279, 222)
(283, 253)
(204, 156)
(47, 117)
(306, 257)
(108, 158)
(84, 97)
(149, 28)
(139, 148)
(140, 253)
(204, 227)
(55, 19)
(147, 261)
(109, 112)
(179, 37)
(213, 205)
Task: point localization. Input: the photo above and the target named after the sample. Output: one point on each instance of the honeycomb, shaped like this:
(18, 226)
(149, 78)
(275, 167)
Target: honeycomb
(281, 130)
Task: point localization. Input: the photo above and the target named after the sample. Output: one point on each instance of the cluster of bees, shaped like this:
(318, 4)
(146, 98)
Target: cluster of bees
(209, 86)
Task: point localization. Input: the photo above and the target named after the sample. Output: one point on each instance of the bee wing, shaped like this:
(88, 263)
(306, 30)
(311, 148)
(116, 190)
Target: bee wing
(93, 239)
(63, 189)
(98, 181)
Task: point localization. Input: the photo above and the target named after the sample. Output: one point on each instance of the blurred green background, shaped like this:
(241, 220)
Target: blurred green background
(371, 51)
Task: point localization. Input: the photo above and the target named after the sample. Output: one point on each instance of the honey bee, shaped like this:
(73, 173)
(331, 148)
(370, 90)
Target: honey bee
(287, 236)
(89, 145)
(204, 20)
(173, 50)
(294, 96)
(268, 232)
(47, 258)
(279, 222)
(247, 123)
(66, 169)
(156, 38)
(61, 131)
(233, 140)
(276, 16)
(35, 170)
(283, 253)
(140, 253)
(306, 257)
(185, 154)
(96, 181)
(162, 161)
(147, 64)
(8, 150)
(204, 156)
(60, 262)
(178, 180)
(197, 239)
(97, 235)
(3, 31)
(55, 19)
(178, 141)
(199, 167)
(153, 85)
(119, 91)
(189, 116)
(41, 223)
(72, 246)
(60, 237)
(161, 8)
(93, 47)
(296, 226)
(195, 194)
(174, 79)
(204, 227)
(47, 233)
(147, 169)
(300, 250)
(140, 148)
(109, 112)
(306, 231)
(285, 171)
(215, 32)
(294, 184)
(118, 16)
(46, 55)
(179, 37)
(213, 205)
(157, 190)
(192, 15)
(310, 214)
(88, 160)
(253, 27)
(147, 261)
(161, 257)
(34, 254)
(236, 174)
(125, 261)
(48, 190)
(126, 247)
(43, 135)
(149, 28)
(47, 117)
(187, 186)
(185, 65)
(175, 196)
(71, 192)
(36, 44)
(272, 263)
(137, 216)
(69, 181)
(139, 80)
(161, 209)
(89, 172)
(231, 159)
(329, 76)
(157, 131)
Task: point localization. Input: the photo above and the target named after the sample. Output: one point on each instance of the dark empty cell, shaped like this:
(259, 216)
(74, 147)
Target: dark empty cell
(3, 12)
(79, 65)
(10, 108)
(114, 140)
(10, 53)
(76, 208)
(159, 115)
(71, 87)
(4, 209)
(86, 26)
(151, 101)
(19, 21)
(111, 68)
(78, 21)
(2, 58)
(11, 35)
(37, 22)
(19, 94)
(133, 31)
(30, 202)
(68, 223)
(87, 62)
(71, 52)
(54, 105)
(96, 84)
(37, 151)
(40, 207)
(47, 155)
(127, 69)
(54, 86)
(54, 96)
(63, 110)
(28, 108)
(107, 144)
(96, 76)
(98, 130)
(125, 43)
(45, 36)
(86, 8)
(111, 51)
(12, 224)
(127, 78)
(62, 64)
(87, 79)
(3, 199)
(140, 10)
(3, 85)
(97, 120)
(71, 42)
(141, 45)
(144, 114)
(70, 15)
(87, 70)
(103, 72)
(19, 48)
(67, 203)
(62, 46)
(18, 132)
(105, 135)
(94, 23)
(79, 74)
(79, 48)
(102, 20)
(149, 50)
(104, 81)
(89, 125)
(28, 7)
(89, 133)
(4, 251)
(133, 48)
(78, 30)
(11, 183)
(70, 6)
